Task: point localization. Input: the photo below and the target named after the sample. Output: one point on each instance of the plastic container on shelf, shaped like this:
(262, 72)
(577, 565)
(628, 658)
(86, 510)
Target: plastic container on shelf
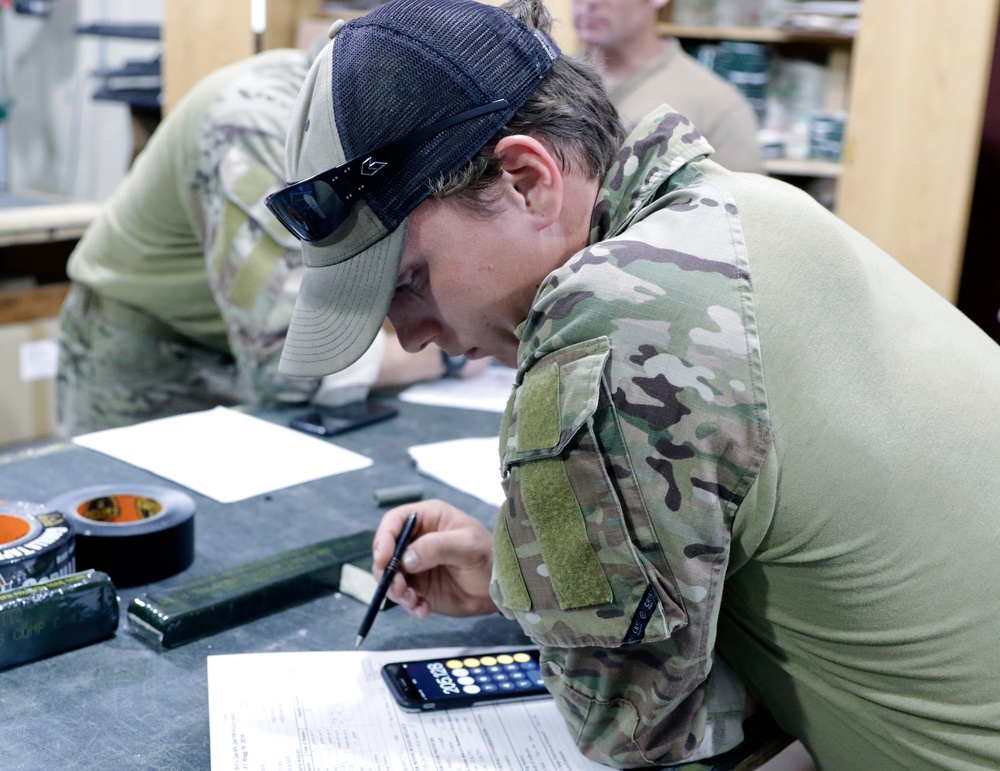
(826, 135)
(738, 13)
(695, 13)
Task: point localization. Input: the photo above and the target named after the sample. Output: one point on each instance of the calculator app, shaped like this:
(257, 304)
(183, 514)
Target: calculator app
(474, 676)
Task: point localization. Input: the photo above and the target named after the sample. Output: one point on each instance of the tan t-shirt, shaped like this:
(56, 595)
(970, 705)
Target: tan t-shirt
(715, 107)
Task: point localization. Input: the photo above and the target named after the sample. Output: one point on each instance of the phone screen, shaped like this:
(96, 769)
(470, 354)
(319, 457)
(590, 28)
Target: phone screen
(329, 421)
(447, 683)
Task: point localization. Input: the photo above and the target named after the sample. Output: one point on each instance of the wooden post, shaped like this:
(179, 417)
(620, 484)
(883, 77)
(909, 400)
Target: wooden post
(918, 89)
(200, 37)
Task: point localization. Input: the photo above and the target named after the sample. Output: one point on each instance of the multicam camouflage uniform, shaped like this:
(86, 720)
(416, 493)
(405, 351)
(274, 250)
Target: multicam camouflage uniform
(631, 439)
(695, 462)
(184, 287)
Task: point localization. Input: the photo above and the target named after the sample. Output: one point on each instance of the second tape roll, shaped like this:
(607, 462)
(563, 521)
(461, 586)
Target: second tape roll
(137, 534)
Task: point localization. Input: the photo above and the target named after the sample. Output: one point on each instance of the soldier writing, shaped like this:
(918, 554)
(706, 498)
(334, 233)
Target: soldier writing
(747, 455)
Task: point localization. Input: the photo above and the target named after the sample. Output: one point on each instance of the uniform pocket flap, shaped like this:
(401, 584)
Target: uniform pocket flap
(556, 397)
(247, 185)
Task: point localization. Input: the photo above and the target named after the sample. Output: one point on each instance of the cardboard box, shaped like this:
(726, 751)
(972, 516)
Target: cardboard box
(27, 380)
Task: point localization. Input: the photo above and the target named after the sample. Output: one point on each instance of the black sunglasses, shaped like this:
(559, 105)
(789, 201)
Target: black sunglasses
(314, 208)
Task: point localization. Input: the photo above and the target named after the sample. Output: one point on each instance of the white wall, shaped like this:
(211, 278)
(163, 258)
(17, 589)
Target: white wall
(58, 139)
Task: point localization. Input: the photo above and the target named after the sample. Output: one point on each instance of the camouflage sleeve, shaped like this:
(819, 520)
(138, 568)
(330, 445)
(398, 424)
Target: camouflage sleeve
(254, 265)
(635, 430)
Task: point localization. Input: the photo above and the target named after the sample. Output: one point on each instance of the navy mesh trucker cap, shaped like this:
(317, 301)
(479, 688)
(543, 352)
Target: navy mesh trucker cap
(398, 98)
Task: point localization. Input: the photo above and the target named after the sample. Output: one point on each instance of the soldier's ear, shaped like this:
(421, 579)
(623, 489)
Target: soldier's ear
(532, 178)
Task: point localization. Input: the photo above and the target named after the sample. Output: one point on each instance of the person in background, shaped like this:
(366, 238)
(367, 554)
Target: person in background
(746, 450)
(642, 70)
(183, 287)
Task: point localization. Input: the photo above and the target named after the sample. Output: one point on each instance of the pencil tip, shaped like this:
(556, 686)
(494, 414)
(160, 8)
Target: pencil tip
(358, 641)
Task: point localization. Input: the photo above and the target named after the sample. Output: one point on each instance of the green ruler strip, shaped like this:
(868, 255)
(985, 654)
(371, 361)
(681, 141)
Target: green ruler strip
(221, 601)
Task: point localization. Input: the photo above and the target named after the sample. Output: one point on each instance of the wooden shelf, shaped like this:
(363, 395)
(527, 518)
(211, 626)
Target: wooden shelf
(802, 167)
(26, 305)
(754, 34)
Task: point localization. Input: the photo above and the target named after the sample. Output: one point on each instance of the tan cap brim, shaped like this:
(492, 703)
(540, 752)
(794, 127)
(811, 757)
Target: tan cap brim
(348, 280)
(340, 309)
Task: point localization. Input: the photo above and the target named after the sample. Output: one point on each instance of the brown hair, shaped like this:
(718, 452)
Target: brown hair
(570, 113)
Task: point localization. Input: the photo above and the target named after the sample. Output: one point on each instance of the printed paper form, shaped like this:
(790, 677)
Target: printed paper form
(330, 711)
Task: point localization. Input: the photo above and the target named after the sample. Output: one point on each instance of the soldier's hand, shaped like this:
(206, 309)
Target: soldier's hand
(447, 567)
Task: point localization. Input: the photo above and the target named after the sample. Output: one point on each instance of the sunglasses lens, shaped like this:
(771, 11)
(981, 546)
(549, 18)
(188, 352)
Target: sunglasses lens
(311, 210)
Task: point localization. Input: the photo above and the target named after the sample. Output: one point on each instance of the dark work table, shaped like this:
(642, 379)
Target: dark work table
(123, 704)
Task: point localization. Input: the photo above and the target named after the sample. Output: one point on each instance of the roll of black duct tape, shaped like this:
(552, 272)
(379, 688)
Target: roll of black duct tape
(137, 534)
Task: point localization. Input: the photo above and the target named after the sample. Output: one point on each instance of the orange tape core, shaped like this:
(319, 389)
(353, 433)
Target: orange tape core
(120, 508)
(12, 528)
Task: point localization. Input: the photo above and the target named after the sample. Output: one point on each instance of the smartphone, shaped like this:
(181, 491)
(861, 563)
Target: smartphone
(329, 421)
(448, 683)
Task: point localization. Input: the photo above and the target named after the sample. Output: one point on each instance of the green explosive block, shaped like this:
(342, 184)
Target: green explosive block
(55, 616)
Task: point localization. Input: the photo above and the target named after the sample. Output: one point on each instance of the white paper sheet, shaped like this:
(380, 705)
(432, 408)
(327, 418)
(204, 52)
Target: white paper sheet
(224, 454)
(469, 465)
(331, 711)
(39, 360)
(488, 391)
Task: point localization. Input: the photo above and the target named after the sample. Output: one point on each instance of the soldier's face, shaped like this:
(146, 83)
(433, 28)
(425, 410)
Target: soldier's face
(466, 280)
(613, 23)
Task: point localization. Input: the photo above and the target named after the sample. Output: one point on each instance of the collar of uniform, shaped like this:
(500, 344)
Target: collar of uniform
(662, 143)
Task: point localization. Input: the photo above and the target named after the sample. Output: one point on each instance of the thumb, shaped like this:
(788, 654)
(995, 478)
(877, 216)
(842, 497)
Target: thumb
(456, 549)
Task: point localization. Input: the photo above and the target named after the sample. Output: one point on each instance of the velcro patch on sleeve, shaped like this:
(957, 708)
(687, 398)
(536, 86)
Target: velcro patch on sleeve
(538, 411)
(574, 569)
(252, 186)
(255, 271)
